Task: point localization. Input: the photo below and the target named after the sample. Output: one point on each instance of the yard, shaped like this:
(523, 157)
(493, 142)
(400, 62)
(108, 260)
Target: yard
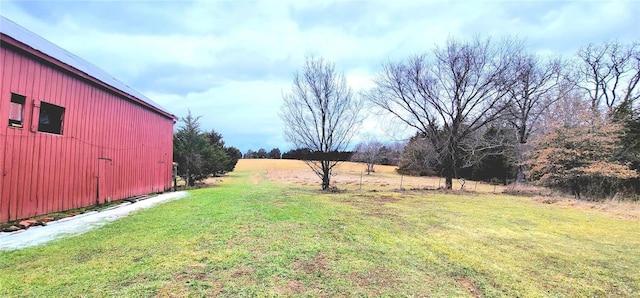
(266, 230)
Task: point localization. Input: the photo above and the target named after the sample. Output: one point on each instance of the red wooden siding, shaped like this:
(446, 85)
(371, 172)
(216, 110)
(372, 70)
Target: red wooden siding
(106, 141)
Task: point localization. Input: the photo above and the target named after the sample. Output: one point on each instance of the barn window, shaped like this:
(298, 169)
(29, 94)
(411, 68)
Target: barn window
(16, 110)
(51, 118)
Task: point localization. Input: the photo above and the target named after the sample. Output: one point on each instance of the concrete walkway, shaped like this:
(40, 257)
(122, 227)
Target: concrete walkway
(78, 224)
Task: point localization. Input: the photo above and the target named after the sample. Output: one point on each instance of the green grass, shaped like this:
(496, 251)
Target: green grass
(253, 237)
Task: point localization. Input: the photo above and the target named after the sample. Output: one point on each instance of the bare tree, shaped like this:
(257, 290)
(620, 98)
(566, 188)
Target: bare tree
(450, 96)
(393, 153)
(321, 113)
(609, 73)
(538, 84)
(571, 110)
(369, 152)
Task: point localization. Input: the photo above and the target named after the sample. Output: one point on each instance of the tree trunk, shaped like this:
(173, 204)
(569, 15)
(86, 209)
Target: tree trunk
(576, 193)
(449, 171)
(450, 160)
(520, 177)
(448, 182)
(575, 190)
(325, 180)
(520, 151)
(326, 175)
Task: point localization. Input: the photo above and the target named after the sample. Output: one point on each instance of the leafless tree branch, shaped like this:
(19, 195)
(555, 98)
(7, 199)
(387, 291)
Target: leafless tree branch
(449, 95)
(321, 113)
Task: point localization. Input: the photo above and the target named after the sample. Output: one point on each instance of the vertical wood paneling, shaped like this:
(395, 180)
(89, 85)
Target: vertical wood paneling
(29, 204)
(87, 154)
(76, 153)
(63, 142)
(69, 160)
(7, 66)
(17, 84)
(44, 173)
(41, 143)
(49, 183)
(56, 159)
(8, 150)
(4, 99)
(29, 177)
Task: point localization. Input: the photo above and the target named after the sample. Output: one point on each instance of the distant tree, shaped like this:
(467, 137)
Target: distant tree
(320, 113)
(262, 153)
(191, 150)
(298, 153)
(419, 157)
(250, 154)
(450, 97)
(496, 169)
(391, 154)
(500, 161)
(369, 152)
(274, 154)
(579, 160)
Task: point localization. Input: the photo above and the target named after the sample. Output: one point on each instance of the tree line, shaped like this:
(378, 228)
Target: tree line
(486, 106)
(262, 153)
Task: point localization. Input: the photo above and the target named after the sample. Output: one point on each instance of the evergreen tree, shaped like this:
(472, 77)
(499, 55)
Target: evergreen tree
(190, 150)
(200, 155)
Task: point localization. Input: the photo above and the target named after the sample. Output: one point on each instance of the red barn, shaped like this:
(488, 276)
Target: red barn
(71, 134)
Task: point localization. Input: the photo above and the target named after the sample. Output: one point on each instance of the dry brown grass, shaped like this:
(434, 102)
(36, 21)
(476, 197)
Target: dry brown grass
(352, 176)
(348, 177)
(620, 209)
(528, 190)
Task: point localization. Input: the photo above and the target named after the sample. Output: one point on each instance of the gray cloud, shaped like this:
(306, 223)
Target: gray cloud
(112, 16)
(230, 61)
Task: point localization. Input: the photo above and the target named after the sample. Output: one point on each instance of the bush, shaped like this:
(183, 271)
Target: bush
(579, 160)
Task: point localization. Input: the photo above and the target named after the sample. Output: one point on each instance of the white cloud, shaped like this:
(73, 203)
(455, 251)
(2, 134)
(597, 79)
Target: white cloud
(360, 80)
(230, 61)
(234, 108)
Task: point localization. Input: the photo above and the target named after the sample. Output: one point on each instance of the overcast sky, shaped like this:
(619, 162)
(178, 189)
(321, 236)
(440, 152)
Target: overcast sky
(230, 61)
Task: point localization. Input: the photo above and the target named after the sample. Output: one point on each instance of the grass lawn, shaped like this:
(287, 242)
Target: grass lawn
(255, 235)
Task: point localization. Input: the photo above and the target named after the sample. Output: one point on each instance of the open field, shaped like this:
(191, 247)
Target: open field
(267, 231)
(348, 176)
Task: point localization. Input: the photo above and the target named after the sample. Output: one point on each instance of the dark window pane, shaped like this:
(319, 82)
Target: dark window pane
(51, 118)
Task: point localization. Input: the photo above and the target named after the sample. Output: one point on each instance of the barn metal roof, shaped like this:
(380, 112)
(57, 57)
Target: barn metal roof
(19, 33)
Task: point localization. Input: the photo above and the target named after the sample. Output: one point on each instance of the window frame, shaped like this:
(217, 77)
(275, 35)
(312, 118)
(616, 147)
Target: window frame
(54, 116)
(21, 100)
